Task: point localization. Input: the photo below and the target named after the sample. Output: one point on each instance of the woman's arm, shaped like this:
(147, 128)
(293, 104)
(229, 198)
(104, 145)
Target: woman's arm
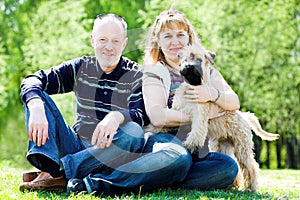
(228, 99)
(217, 91)
(156, 105)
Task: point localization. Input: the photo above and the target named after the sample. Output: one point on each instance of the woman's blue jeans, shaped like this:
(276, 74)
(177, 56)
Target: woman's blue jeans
(64, 150)
(214, 171)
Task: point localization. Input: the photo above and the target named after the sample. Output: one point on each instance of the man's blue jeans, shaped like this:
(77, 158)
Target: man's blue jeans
(65, 150)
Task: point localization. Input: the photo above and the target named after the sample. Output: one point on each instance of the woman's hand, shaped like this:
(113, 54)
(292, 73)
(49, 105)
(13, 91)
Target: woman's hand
(106, 129)
(38, 123)
(200, 93)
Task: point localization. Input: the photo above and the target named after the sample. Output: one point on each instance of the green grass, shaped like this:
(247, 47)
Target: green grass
(275, 184)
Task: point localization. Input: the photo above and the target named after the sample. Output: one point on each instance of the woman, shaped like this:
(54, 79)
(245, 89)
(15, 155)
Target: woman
(171, 32)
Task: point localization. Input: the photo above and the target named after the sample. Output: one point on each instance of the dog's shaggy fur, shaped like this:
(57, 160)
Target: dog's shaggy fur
(230, 133)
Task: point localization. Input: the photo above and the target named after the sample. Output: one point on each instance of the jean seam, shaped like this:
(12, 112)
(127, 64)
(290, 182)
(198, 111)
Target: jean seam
(87, 185)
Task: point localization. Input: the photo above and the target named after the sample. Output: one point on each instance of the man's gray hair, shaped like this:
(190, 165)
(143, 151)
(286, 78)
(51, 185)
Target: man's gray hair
(111, 17)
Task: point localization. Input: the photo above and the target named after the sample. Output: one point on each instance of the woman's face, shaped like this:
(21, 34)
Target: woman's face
(172, 41)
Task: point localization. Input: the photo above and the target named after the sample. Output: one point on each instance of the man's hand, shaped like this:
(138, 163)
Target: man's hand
(106, 129)
(38, 123)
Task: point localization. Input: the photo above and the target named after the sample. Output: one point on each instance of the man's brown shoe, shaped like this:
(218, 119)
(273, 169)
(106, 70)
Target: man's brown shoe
(30, 175)
(45, 181)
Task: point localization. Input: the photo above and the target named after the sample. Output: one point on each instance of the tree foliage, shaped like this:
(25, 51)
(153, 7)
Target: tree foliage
(56, 35)
(12, 34)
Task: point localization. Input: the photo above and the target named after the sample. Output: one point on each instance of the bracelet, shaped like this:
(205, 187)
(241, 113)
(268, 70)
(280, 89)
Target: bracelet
(217, 97)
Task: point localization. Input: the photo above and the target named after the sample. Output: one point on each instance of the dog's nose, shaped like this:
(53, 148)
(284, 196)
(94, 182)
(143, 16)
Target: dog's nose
(190, 67)
(187, 70)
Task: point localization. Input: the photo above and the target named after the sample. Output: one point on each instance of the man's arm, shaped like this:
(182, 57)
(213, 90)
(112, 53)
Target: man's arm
(58, 79)
(136, 109)
(38, 123)
(55, 80)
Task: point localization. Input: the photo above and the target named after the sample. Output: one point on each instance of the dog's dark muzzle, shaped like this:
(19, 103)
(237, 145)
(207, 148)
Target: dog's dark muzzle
(192, 75)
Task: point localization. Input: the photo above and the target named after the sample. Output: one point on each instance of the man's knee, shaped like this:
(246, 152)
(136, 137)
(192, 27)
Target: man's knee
(132, 136)
(132, 129)
(175, 157)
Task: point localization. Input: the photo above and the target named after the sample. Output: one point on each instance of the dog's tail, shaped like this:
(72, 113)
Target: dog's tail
(256, 127)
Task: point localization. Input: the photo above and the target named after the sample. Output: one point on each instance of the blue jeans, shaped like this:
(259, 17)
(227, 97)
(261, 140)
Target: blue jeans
(214, 171)
(119, 168)
(164, 162)
(66, 151)
(166, 167)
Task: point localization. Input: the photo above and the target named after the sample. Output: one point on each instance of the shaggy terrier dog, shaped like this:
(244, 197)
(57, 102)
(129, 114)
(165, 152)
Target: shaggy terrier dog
(231, 133)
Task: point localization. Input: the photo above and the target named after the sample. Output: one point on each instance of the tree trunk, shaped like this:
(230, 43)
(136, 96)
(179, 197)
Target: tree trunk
(298, 145)
(279, 144)
(268, 155)
(290, 151)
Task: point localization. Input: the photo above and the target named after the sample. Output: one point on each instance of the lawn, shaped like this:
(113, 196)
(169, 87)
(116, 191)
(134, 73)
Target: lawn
(275, 184)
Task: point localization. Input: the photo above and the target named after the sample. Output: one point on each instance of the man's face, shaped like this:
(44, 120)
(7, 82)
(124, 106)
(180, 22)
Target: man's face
(109, 41)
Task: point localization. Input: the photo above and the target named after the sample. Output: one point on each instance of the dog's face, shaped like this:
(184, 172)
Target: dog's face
(192, 61)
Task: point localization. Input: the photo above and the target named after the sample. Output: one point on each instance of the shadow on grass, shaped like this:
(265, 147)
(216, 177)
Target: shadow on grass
(214, 194)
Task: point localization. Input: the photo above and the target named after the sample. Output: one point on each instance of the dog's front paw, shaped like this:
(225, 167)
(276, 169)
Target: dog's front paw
(193, 142)
(190, 147)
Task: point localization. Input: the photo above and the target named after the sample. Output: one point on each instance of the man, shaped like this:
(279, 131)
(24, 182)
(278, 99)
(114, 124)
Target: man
(101, 152)
(107, 88)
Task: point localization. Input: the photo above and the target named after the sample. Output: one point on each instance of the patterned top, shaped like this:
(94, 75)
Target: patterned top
(176, 81)
(96, 92)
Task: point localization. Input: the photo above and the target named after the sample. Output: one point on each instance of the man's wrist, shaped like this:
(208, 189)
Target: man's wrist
(35, 103)
(118, 116)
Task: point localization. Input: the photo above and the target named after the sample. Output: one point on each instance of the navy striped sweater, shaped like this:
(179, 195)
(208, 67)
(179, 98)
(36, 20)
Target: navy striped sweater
(96, 92)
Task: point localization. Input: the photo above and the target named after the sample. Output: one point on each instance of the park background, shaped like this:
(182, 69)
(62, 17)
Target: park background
(257, 45)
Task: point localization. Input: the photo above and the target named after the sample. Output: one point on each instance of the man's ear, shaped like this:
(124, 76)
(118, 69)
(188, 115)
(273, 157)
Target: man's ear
(92, 40)
(125, 43)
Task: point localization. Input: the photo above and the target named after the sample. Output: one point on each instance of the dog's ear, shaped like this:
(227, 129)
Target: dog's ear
(210, 56)
(180, 54)
(192, 56)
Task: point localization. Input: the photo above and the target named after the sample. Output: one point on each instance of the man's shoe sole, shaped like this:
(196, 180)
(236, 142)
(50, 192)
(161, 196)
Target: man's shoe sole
(51, 184)
(30, 175)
